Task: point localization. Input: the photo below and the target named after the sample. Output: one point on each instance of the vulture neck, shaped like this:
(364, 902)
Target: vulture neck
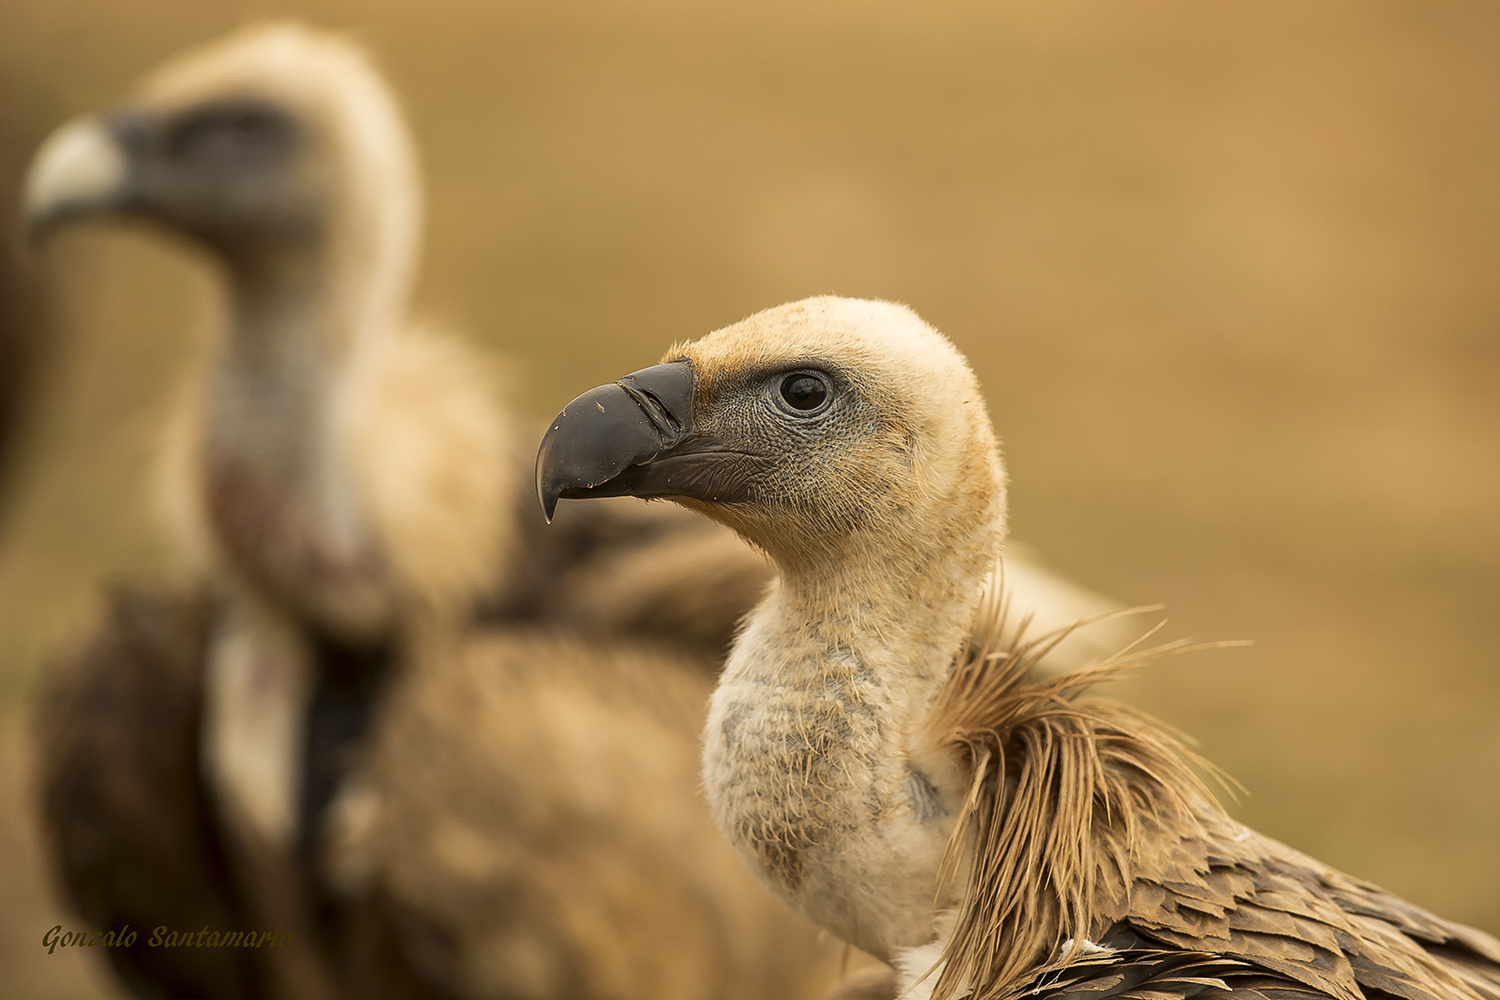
(904, 613)
(296, 322)
(280, 481)
(297, 670)
(808, 751)
(326, 297)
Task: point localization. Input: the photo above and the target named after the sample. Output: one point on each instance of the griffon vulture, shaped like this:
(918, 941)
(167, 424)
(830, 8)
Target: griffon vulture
(246, 759)
(917, 793)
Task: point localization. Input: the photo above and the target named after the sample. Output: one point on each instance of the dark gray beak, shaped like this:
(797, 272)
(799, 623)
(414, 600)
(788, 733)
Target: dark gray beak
(638, 437)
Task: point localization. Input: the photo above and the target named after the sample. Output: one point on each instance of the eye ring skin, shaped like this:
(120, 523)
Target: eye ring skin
(784, 406)
(231, 135)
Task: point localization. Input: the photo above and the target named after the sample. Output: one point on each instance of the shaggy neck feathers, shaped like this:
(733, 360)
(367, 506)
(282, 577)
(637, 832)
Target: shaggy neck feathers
(1060, 786)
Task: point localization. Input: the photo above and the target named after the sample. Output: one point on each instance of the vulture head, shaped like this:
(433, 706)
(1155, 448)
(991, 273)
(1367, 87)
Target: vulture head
(816, 429)
(334, 456)
(277, 148)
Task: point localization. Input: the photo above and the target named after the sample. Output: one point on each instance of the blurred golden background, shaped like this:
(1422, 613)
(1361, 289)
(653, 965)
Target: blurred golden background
(1230, 276)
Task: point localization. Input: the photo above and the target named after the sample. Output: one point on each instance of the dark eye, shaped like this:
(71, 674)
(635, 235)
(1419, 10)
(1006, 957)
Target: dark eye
(233, 135)
(804, 391)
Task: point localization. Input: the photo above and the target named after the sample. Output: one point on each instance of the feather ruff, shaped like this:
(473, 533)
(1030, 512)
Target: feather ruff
(1087, 824)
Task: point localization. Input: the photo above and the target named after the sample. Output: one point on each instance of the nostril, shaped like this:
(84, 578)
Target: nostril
(665, 395)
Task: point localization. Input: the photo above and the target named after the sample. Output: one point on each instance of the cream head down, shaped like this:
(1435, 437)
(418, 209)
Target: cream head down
(823, 429)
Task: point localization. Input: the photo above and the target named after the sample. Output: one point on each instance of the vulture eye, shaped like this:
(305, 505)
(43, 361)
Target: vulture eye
(232, 135)
(806, 392)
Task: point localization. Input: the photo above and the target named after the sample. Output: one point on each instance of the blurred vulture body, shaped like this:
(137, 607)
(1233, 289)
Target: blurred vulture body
(882, 750)
(520, 823)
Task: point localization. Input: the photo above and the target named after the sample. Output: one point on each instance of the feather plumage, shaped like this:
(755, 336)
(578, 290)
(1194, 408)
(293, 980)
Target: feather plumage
(1087, 821)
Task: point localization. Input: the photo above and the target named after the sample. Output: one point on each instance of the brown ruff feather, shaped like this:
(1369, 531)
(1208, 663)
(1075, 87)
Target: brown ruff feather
(1058, 784)
(1086, 820)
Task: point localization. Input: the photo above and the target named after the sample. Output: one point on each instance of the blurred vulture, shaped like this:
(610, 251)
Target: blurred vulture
(323, 743)
(921, 793)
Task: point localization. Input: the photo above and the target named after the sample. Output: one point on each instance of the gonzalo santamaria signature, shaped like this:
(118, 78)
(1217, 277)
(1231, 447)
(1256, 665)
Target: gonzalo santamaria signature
(163, 937)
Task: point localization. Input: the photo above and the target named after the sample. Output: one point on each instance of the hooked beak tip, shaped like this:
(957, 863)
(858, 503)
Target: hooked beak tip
(547, 489)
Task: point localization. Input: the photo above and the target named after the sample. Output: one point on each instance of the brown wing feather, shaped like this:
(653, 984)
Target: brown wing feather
(1144, 973)
(1293, 914)
(1060, 785)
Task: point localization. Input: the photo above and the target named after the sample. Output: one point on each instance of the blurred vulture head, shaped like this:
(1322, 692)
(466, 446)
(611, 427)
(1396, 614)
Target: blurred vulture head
(275, 148)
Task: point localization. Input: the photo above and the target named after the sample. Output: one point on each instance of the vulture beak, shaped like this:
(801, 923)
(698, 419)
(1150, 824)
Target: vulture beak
(80, 168)
(638, 437)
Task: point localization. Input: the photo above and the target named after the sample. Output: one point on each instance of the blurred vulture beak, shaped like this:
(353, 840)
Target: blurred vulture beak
(80, 169)
(637, 437)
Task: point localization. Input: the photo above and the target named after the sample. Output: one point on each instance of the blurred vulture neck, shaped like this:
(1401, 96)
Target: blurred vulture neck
(307, 325)
(301, 315)
(330, 298)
